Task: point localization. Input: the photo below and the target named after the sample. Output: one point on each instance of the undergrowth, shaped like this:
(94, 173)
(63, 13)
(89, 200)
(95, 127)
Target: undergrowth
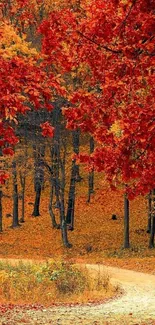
(51, 282)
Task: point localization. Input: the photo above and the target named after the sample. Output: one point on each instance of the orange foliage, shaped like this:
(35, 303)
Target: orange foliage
(96, 238)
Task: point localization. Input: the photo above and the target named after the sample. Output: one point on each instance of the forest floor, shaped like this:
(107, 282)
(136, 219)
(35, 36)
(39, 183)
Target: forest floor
(97, 239)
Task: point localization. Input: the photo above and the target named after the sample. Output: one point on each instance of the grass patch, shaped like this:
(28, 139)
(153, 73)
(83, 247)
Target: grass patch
(52, 282)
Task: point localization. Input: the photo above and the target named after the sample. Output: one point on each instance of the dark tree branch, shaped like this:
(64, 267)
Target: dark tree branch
(99, 45)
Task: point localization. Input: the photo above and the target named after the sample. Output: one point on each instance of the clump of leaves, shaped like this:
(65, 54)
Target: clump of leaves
(66, 277)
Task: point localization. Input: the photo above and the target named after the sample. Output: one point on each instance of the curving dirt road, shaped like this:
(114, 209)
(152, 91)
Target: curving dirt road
(135, 306)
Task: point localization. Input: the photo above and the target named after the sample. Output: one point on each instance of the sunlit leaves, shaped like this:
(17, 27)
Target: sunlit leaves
(11, 44)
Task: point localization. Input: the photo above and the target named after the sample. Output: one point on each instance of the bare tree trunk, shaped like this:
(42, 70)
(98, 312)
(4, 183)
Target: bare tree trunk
(63, 223)
(37, 184)
(91, 173)
(152, 233)
(55, 168)
(62, 200)
(15, 196)
(36, 212)
(55, 152)
(23, 182)
(71, 197)
(39, 179)
(52, 215)
(76, 149)
(22, 175)
(126, 223)
(149, 213)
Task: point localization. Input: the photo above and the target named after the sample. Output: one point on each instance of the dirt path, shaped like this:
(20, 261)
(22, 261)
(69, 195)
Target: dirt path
(135, 306)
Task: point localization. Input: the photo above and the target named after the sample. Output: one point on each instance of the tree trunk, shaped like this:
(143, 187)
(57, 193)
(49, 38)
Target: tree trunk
(36, 212)
(1, 215)
(15, 197)
(55, 159)
(55, 168)
(39, 179)
(152, 233)
(23, 207)
(149, 213)
(58, 172)
(76, 146)
(23, 182)
(126, 222)
(91, 173)
(22, 219)
(52, 215)
(71, 197)
(61, 184)
(151, 241)
(64, 225)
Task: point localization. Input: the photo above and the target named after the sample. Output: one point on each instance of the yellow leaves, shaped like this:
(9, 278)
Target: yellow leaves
(11, 44)
(116, 129)
(10, 114)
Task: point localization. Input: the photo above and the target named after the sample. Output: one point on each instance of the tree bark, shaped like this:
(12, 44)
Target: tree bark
(76, 149)
(91, 173)
(55, 158)
(64, 226)
(149, 213)
(39, 179)
(23, 183)
(126, 222)
(61, 184)
(15, 196)
(71, 197)
(52, 215)
(152, 233)
(22, 219)
(36, 212)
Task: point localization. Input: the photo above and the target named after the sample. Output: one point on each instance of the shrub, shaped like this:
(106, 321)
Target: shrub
(38, 283)
(52, 282)
(66, 277)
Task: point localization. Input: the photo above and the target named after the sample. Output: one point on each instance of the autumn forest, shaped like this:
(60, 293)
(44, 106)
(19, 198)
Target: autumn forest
(77, 131)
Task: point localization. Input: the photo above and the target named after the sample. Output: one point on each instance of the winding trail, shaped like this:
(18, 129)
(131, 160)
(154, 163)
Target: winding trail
(135, 306)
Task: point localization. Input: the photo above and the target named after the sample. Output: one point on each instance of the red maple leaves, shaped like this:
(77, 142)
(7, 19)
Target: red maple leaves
(114, 43)
(104, 52)
(47, 130)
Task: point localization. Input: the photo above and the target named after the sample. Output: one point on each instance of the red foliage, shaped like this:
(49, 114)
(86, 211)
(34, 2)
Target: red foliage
(47, 130)
(114, 41)
(23, 84)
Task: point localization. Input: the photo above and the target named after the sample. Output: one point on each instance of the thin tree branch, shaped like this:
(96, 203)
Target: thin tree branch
(99, 45)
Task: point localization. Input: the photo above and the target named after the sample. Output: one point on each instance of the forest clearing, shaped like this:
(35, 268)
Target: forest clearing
(77, 162)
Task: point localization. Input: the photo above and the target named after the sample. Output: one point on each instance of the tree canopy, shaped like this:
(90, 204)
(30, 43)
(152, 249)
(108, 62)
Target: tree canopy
(100, 55)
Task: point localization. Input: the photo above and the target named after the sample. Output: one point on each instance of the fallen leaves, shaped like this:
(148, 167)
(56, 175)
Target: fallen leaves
(94, 228)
